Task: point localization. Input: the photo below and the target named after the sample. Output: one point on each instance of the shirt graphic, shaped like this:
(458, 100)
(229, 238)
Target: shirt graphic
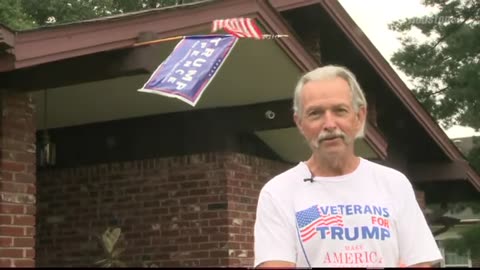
(327, 222)
(310, 219)
(348, 225)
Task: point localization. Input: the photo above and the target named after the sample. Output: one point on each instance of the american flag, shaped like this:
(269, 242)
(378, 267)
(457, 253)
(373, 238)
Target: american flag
(239, 27)
(309, 219)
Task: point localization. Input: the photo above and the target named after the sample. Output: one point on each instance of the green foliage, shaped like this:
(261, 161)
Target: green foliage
(13, 15)
(468, 242)
(25, 14)
(474, 155)
(446, 66)
(64, 11)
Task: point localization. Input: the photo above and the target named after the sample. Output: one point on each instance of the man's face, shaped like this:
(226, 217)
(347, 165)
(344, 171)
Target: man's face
(328, 120)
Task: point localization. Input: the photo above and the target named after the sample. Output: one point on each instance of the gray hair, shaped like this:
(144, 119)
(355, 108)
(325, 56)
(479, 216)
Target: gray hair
(331, 72)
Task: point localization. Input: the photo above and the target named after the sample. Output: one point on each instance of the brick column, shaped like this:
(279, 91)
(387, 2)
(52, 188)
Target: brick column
(246, 176)
(17, 181)
(420, 195)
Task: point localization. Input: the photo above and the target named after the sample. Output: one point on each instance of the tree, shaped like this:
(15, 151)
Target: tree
(13, 15)
(26, 14)
(446, 66)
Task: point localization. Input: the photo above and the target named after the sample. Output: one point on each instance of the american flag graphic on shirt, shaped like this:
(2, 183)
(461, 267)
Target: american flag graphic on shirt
(309, 219)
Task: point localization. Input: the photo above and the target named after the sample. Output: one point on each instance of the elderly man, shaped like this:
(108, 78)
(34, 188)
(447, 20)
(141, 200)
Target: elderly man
(337, 209)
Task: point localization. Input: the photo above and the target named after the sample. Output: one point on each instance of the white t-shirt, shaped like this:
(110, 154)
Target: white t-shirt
(368, 218)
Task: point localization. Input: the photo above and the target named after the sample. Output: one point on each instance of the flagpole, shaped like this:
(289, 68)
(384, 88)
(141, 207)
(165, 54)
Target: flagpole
(157, 41)
(168, 39)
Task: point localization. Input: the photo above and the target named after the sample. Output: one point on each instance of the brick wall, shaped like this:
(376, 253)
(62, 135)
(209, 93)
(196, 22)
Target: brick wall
(420, 195)
(17, 182)
(195, 210)
(246, 176)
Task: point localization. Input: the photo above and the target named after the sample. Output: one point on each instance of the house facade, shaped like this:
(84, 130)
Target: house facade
(180, 182)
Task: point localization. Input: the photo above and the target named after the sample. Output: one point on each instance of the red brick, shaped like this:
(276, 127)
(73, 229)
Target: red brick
(5, 262)
(5, 220)
(239, 238)
(199, 254)
(29, 253)
(219, 237)
(209, 215)
(234, 262)
(25, 157)
(12, 166)
(24, 242)
(209, 199)
(189, 200)
(199, 238)
(30, 231)
(211, 245)
(30, 210)
(218, 253)
(11, 252)
(11, 231)
(31, 189)
(218, 222)
(209, 262)
(6, 241)
(31, 169)
(24, 220)
(17, 122)
(160, 211)
(233, 245)
(7, 176)
(14, 102)
(24, 263)
(12, 187)
(24, 178)
(197, 192)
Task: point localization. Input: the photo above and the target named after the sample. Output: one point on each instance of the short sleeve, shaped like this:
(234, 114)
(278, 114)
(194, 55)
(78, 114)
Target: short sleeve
(274, 237)
(416, 241)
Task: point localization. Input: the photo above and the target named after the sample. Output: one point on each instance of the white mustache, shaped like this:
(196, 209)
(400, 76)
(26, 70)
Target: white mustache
(331, 135)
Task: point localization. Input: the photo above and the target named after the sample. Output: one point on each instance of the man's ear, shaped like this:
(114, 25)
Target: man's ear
(361, 115)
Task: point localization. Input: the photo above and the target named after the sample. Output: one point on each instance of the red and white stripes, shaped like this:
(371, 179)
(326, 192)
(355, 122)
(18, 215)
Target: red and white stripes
(239, 27)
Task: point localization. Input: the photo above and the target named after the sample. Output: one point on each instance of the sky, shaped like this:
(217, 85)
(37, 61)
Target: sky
(373, 17)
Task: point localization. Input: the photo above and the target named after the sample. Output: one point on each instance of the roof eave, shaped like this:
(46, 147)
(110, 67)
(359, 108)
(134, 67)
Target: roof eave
(35, 47)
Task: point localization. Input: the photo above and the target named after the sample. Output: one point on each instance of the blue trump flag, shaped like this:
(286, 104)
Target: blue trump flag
(190, 67)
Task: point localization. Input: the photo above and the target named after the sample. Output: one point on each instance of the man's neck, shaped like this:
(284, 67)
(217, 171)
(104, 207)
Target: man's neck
(332, 166)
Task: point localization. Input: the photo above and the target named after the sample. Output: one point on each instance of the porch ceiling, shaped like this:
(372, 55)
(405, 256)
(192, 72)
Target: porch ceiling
(255, 72)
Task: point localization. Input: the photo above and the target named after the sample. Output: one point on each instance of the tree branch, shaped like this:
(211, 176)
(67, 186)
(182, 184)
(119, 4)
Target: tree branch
(453, 31)
(438, 91)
